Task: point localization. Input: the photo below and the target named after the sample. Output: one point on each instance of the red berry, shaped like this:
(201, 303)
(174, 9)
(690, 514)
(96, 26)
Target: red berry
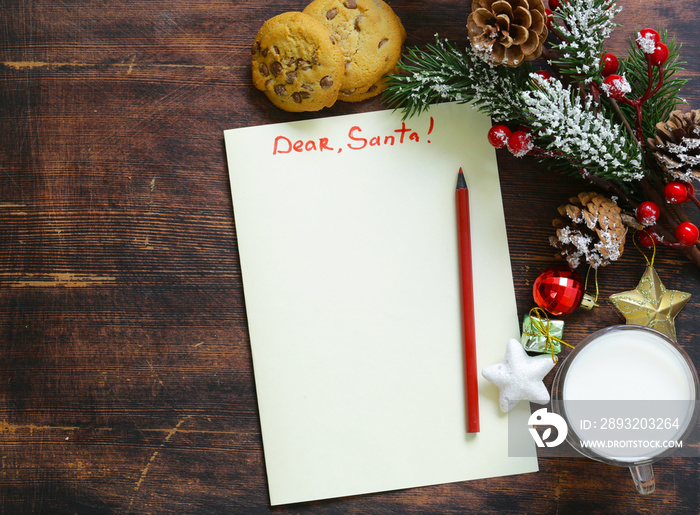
(676, 192)
(554, 4)
(542, 78)
(609, 63)
(616, 86)
(648, 213)
(650, 33)
(520, 143)
(498, 136)
(659, 56)
(687, 234)
(548, 17)
(647, 238)
(648, 40)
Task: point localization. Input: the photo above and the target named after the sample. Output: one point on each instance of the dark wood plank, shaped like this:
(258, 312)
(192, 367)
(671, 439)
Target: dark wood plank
(126, 381)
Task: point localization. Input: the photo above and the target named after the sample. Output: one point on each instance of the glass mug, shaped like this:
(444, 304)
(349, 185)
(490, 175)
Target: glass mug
(629, 394)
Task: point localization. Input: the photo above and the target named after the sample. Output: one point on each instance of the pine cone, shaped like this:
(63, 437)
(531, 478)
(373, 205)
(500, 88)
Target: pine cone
(594, 231)
(507, 31)
(676, 146)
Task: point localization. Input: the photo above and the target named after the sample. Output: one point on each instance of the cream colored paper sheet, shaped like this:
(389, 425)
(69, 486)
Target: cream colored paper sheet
(347, 237)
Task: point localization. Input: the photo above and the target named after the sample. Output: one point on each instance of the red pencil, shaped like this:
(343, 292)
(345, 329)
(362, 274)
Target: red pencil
(467, 287)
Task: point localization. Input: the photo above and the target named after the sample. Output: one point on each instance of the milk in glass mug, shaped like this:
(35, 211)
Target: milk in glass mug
(629, 395)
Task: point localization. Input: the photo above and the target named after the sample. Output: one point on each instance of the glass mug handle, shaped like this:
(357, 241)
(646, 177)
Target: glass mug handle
(643, 476)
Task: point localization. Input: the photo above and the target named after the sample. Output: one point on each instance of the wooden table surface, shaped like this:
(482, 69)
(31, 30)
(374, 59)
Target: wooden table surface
(126, 383)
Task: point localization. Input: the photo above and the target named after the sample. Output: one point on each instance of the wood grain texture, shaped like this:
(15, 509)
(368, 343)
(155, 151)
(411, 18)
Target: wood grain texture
(126, 383)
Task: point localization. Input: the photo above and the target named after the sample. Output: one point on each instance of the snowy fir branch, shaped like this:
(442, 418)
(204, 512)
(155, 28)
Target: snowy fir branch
(581, 27)
(660, 105)
(573, 130)
(442, 72)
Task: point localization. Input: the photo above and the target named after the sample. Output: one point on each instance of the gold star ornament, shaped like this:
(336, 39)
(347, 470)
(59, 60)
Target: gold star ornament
(650, 304)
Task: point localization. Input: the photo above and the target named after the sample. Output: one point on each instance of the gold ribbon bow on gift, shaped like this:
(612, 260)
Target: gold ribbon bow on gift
(537, 315)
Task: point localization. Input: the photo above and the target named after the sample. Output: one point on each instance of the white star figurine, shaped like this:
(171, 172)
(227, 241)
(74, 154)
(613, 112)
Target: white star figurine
(519, 376)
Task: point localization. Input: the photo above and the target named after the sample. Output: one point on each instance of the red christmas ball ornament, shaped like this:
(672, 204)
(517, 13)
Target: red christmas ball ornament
(520, 143)
(559, 291)
(648, 213)
(676, 192)
(498, 136)
(659, 56)
(554, 4)
(687, 234)
(609, 64)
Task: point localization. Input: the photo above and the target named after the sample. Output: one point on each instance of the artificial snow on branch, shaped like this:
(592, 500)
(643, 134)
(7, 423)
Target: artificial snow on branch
(442, 72)
(584, 137)
(581, 28)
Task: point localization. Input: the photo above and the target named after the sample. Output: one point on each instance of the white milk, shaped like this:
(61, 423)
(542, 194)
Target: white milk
(629, 365)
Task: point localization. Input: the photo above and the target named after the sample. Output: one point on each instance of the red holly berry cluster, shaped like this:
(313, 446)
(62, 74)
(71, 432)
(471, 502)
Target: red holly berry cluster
(617, 87)
(648, 213)
(677, 192)
(518, 142)
(650, 43)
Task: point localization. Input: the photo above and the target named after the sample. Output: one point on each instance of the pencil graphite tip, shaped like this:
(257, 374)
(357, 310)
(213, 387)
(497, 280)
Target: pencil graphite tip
(461, 181)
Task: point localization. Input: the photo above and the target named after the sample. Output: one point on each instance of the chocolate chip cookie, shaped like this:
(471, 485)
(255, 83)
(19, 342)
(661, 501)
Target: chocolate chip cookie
(297, 63)
(365, 92)
(371, 37)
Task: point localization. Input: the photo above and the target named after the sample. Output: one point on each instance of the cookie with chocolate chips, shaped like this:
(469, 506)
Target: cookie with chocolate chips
(371, 37)
(297, 63)
(365, 92)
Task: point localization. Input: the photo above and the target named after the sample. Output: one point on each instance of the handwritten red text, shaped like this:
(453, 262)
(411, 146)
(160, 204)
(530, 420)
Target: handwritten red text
(357, 138)
(284, 145)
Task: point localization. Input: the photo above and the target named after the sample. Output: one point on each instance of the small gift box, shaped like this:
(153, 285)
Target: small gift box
(541, 334)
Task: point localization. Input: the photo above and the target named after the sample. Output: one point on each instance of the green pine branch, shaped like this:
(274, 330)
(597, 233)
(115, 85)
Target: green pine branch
(660, 105)
(581, 27)
(580, 138)
(442, 72)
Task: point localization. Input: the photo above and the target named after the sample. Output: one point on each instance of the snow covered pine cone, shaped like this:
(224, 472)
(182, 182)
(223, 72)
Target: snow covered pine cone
(507, 31)
(676, 146)
(594, 232)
